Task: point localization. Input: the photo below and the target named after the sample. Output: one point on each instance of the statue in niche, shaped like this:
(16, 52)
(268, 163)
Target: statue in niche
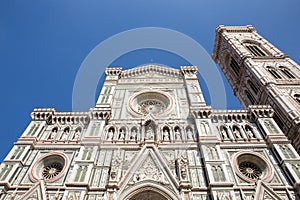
(76, 134)
(270, 126)
(133, 134)
(65, 134)
(116, 163)
(224, 133)
(249, 132)
(149, 133)
(52, 134)
(110, 134)
(166, 135)
(122, 135)
(182, 167)
(189, 134)
(177, 134)
(237, 132)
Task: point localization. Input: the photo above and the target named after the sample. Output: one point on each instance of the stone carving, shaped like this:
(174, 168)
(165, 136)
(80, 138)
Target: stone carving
(181, 164)
(110, 134)
(189, 134)
(77, 134)
(224, 133)
(166, 135)
(249, 132)
(236, 132)
(53, 134)
(122, 134)
(149, 171)
(133, 134)
(65, 134)
(177, 134)
(149, 133)
(115, 166)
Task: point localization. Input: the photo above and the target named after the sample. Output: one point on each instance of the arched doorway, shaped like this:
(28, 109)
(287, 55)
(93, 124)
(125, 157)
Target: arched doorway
(148, 191)
(148, 195)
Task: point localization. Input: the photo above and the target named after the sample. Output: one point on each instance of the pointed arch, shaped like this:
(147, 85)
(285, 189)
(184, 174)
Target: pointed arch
(153, 188)
(287, 72)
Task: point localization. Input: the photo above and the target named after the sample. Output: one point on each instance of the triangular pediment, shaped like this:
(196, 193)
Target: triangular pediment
(151, 71)
(148, 166)
(35, 192)
(265, 192)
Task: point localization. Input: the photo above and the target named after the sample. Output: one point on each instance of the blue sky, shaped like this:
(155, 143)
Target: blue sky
(43, 43)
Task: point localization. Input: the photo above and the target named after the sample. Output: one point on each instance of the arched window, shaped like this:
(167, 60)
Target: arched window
(273, 72)
(250, 97)
(253, 87)
(297, 98)
(255, 50)
(287, 72)
(234, 66)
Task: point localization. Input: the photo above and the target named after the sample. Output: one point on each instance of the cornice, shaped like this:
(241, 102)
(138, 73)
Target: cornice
(164, 70)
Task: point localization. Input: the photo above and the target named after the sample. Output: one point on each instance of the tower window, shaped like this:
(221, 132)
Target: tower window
(250, 97)
(255, 50)
(278, 120)
(235, 67)
(287, 72)
(273, 72)
(297, 98)
(253, 87)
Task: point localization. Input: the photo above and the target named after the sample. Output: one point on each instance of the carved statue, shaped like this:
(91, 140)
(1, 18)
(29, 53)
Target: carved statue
(122, 135)
(177, 134)
(76, 134)
(133, 134)
(189, 134)
(236, 132)
(182, 165)
(249, 132)
(149, 133)
(166, 135)
(65, 134)
(52, 134)
(224, 133)
(110, 135)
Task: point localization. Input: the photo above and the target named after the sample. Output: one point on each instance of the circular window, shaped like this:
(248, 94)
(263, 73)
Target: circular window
(49, 167)
(150, 102)
(251, 166)
(250, 170)
(52, 170)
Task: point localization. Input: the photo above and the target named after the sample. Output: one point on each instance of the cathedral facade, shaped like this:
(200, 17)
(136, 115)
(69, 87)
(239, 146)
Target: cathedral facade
(152, 136)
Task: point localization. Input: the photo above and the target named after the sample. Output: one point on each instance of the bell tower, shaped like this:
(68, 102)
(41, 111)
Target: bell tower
(259, 73)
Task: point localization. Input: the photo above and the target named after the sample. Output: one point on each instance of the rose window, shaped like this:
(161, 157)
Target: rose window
(151, 106)
(250, 170)
(49, 167)
(251, 166)
(52, 170)
(150, 102)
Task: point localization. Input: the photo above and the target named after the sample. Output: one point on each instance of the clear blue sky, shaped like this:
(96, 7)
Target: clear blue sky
(43, 43)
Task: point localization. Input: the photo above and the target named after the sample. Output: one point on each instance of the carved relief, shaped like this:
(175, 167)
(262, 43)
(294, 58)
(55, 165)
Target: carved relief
(149, 171)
